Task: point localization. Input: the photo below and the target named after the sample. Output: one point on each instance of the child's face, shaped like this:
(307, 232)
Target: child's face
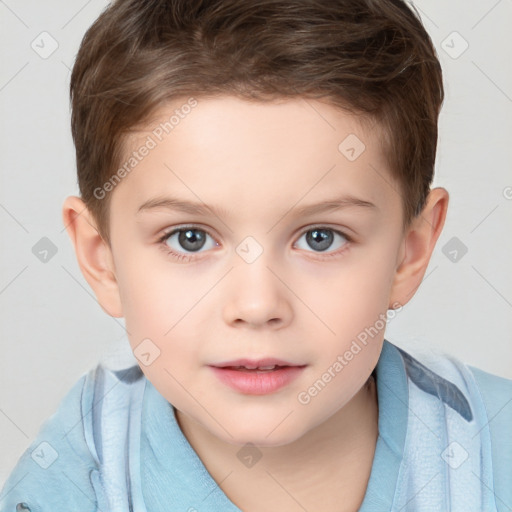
(257, 286)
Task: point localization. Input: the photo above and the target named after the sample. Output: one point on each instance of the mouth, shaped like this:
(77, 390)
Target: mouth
(263, 364)
(257, 377)
(261, 369)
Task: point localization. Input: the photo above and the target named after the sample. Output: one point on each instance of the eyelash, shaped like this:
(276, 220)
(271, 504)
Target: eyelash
(185, 258)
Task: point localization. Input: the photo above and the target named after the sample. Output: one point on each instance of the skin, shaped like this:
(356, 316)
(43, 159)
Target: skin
(253, 163)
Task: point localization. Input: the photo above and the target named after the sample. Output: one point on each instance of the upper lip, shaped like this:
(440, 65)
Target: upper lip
(255, 363)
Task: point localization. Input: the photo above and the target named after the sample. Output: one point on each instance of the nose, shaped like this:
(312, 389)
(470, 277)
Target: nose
(256, 296)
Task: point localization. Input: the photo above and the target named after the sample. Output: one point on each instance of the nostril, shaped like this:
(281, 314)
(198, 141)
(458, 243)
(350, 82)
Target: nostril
(22, 507)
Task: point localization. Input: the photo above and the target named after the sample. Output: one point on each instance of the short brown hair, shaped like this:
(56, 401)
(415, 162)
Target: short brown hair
(372, 58)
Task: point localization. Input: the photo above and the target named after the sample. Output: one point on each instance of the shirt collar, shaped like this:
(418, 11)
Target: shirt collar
(393, 399)
(174, 475)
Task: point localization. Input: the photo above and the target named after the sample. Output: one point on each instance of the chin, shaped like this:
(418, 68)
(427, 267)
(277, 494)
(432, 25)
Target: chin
(262, 437)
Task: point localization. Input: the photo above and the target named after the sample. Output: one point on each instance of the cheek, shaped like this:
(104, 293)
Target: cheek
(356, 295)
(159, 306)
(353, 304)
(148, 290)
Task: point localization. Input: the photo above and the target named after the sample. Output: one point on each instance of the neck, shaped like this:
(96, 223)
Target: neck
(337, 455)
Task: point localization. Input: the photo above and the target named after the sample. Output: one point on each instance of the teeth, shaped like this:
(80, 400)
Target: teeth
(256, 367)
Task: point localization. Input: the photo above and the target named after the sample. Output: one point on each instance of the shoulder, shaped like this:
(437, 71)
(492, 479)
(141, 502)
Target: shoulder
(442, 374)
(495, 390)
(60, 468)
(481, 398)
(496, 394)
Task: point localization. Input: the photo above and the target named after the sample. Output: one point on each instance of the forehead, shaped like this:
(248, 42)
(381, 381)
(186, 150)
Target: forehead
(248, 153)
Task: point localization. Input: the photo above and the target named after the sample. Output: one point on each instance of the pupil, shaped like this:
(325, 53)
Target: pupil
(322, 237)
(191, 240)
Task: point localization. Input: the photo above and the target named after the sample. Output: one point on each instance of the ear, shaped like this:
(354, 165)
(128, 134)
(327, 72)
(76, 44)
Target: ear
(93, 254)
(417, 246)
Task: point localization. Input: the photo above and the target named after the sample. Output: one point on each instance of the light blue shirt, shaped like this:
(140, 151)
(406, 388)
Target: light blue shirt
(444, 444)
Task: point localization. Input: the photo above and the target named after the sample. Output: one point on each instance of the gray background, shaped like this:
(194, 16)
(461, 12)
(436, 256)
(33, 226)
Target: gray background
(52, 328)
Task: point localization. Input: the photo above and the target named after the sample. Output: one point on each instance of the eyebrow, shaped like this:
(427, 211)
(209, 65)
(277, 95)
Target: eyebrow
(195, 208)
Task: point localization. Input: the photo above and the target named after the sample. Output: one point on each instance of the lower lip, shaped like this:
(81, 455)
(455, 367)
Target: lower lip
(253, 382)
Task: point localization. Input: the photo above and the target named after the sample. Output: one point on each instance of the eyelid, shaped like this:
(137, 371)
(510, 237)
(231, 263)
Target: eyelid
(308, 227)
(167, 232)
(337, 229)
(186, 257)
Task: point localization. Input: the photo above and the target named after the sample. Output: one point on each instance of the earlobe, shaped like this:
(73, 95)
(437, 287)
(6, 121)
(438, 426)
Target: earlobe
(417, 246)
(93, 254)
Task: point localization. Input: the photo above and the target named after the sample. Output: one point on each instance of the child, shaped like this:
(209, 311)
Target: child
(256, 130)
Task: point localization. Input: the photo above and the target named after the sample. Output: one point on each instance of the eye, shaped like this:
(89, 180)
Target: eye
(321, 238)
(186, 238)
(183, 242)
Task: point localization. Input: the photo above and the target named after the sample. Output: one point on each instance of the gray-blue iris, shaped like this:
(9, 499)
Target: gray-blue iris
(322, 237)
(192, 239)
